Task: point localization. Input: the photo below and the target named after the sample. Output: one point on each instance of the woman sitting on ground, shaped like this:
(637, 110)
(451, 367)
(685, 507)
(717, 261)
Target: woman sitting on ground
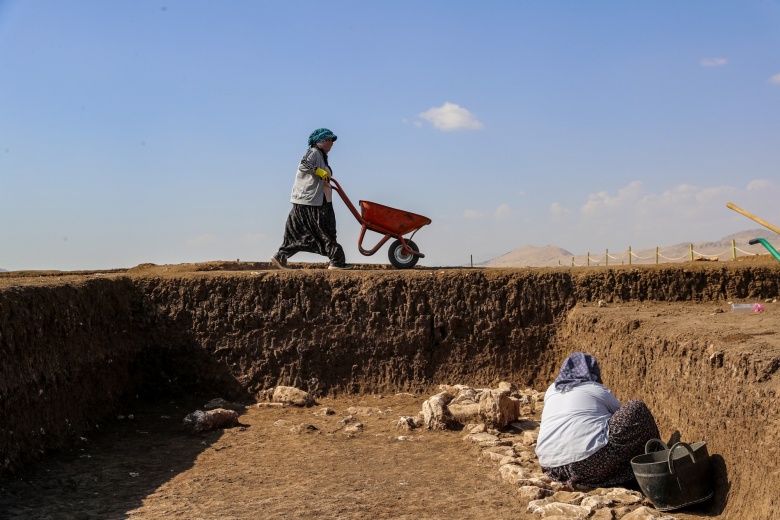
(586, 436)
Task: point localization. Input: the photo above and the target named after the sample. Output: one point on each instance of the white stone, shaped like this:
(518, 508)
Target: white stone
(509, 459)
(200, 421)
(624, 496)
(478, 438)
(536, 482)
(436, 415)
(406, 423)
(603, 514)
(496, 408)
(479, 428)
(466, 395)
(598, 501)
(363, 410)
(529, 493)
(513, 473)
(646, 513)
(525, 456)
(303, 428)
(490, 455)
(552, 509)
(568, 497)
(271, 405)
(465, 412)
(529, 438)
(293, 396)
(354, 428)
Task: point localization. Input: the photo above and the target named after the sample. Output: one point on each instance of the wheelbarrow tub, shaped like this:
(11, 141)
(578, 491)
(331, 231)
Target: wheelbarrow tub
(394, 221)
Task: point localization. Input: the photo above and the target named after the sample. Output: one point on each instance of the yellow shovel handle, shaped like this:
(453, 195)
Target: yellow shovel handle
(763, 222)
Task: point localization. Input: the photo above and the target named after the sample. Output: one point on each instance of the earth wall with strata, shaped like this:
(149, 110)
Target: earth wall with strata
(74, 349)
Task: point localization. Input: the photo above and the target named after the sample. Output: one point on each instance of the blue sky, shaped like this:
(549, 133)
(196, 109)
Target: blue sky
(170, 131)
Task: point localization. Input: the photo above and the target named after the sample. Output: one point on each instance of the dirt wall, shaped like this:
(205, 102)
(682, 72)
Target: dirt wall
(72, 350)
(707, 375)
(66, 355)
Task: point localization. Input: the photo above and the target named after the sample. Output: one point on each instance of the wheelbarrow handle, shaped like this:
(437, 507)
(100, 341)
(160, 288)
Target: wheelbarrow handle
(346, 200)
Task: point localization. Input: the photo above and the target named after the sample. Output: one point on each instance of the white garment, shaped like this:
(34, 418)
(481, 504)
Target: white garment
(575, 424)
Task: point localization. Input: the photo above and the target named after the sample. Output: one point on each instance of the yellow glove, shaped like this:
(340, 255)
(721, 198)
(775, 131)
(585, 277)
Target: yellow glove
(323, 174)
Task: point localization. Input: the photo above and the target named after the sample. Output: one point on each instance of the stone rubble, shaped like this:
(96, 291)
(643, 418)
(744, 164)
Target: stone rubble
(436, 414)
(503, 422)
(200, 421)
(292, 396)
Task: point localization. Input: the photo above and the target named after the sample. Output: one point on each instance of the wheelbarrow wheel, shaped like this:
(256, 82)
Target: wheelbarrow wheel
(399, 258)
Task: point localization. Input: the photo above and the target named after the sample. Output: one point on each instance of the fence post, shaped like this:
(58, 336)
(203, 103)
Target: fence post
(588, 258)
(629, 255)
(572, 261)
(691, 252)
(733, 250)
(656, 255)
(606, 257)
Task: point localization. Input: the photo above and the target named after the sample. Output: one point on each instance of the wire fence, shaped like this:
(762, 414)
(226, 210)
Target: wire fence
(628, 257)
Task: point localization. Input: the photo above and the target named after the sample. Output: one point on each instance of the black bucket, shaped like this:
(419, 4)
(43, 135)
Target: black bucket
(675, 477)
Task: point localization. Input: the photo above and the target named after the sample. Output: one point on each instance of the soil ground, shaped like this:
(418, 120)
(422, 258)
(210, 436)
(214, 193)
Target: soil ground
(147, 467)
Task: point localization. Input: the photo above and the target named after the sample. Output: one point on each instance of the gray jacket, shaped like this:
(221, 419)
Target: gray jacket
(308, 187)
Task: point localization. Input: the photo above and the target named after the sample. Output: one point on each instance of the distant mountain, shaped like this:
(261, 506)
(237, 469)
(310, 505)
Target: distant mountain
(528, 256)
(553, 256)
(3, 270)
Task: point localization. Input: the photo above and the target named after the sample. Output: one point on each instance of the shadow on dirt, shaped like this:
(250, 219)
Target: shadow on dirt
(110, 466)
(112, 470)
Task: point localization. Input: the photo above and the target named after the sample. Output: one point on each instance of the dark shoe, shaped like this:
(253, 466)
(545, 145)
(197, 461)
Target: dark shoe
(279, 261)
(343, 267)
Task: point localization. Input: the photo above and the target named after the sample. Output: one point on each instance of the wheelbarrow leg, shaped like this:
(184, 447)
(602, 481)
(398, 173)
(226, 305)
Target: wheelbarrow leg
(366, 252)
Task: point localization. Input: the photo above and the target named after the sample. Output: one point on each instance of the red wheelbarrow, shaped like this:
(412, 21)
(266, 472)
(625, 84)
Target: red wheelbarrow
(390, 222)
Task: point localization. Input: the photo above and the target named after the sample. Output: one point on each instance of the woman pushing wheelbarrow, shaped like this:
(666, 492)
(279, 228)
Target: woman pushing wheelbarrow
(311, 224)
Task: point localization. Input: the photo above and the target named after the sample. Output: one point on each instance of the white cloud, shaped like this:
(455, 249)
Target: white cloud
(202, 240)
(450, 117)
(759, 185)
(558, 212)
(503, 212)
(473, 214)
(713, 62)
(598, 202)
(775, 79)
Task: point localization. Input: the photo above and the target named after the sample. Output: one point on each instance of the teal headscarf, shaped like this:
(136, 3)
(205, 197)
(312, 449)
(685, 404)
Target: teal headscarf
(321, 134)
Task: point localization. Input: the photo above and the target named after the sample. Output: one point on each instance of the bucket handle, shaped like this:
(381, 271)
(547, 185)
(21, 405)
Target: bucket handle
(671, 452)
(652, 442)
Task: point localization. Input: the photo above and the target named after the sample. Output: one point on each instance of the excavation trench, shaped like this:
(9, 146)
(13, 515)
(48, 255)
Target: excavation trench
(75, 347)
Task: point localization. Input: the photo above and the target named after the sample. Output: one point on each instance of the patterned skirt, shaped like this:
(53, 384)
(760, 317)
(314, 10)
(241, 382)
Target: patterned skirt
(629, 429)
(312, 229)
